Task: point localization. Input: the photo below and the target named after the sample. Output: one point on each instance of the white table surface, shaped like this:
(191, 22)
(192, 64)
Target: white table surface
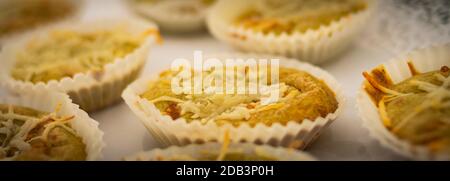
(345, 139)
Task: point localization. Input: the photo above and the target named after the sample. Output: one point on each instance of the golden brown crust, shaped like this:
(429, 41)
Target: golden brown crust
(315, 100)
(376, 80)
(173, 111)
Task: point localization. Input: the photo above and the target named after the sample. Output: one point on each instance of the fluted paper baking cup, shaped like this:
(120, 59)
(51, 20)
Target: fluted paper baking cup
(424, 60)
(91, 90)
(196, 151)
(314, 46)
(178, 132)
(48, 101)
(164, 13)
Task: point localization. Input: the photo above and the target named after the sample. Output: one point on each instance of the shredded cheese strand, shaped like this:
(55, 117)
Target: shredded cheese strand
(437, 97)
(225, 146)
(383, 114)
(378, 86)
(16, 135)
(166, 98)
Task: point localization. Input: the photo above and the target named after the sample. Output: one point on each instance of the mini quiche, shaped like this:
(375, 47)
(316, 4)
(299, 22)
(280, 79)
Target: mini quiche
(302, 96)
(217, 152)
(294, 109)
(28, 134)
(91, 61)
(46, 126)
(416, 109)
(175, 16)
(20, 15)
(311, 30)
(406, 104)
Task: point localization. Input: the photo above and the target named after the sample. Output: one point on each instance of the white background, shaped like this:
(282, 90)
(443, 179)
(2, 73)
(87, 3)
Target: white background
(345, 139)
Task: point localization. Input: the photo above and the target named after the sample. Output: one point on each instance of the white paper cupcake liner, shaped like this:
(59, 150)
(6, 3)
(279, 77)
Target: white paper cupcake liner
(92, 91)
(196, 151)
(48, 101)
(314, 46)
(424, 60)
(178, 132)
(162, 13)
(78, 4)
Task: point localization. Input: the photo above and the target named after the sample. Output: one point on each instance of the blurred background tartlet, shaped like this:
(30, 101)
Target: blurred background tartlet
(310, 30)
(174, 16)
(19, 16)
(92, 61)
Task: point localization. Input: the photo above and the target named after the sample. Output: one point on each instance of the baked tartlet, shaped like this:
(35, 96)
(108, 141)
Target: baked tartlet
(303, 97)
(414, 110)
(309, 99)
(218, 152)
(20, 15)
(43, 125)
(175, 16)
(310, 30)
(91, 61)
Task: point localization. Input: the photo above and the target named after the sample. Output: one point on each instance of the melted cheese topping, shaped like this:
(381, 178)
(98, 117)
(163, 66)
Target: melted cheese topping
(417, 109)
(66, 53)
(289, 16)
(210, 107)
(16, 129)
(297, 96)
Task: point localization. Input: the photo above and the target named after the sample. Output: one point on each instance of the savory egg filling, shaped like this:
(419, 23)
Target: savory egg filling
(290, 16)
(66, 53)
(416, 109)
